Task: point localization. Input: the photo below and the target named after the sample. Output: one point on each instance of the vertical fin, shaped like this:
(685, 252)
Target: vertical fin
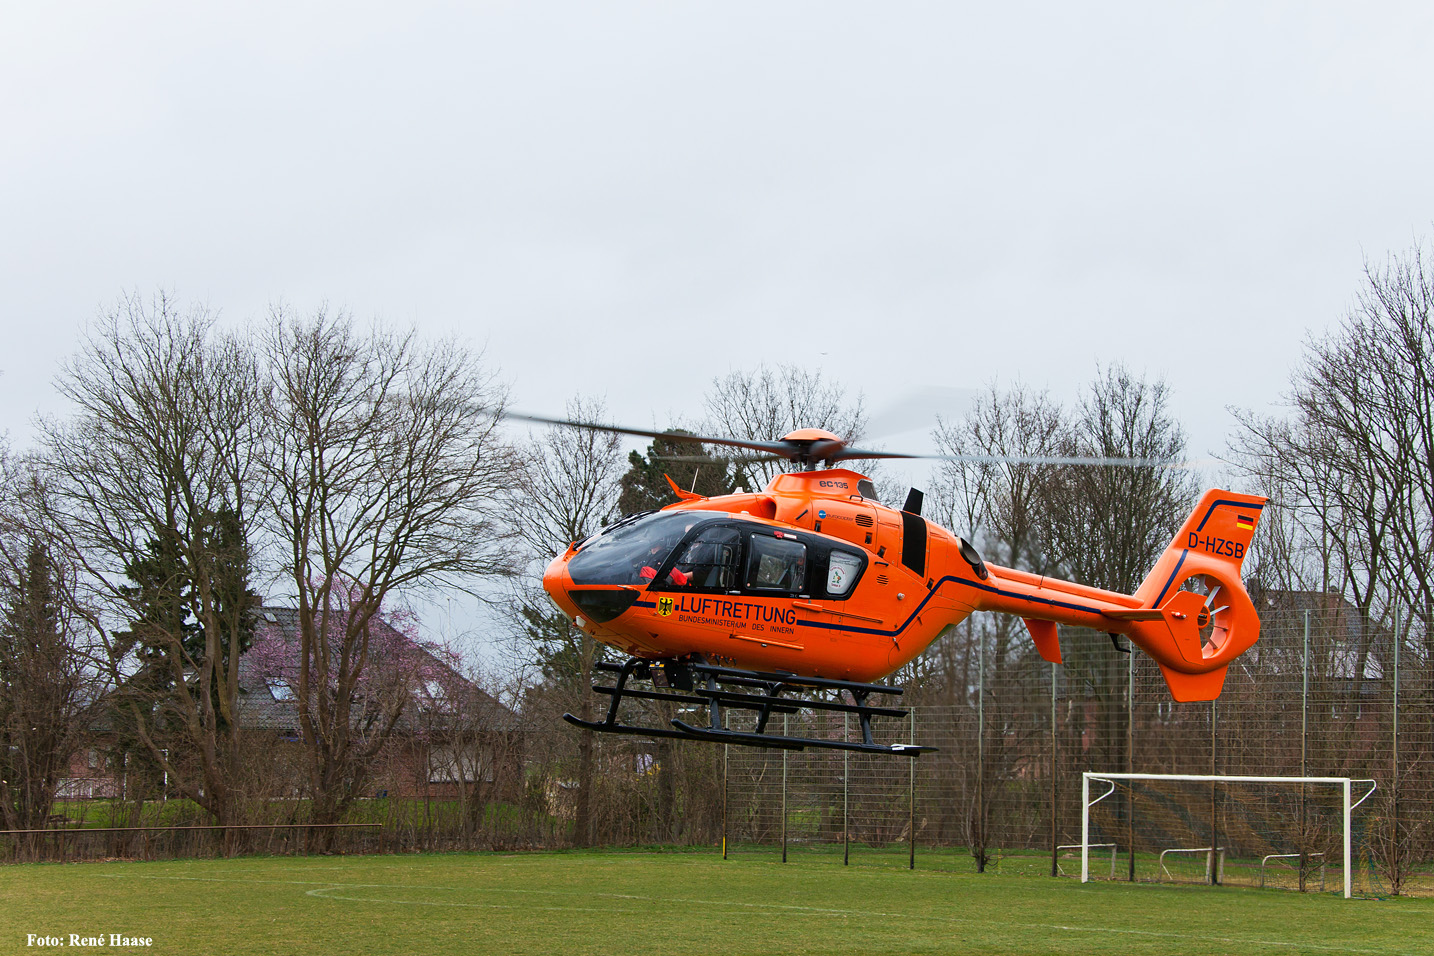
(1047, 642)
(1216, 535)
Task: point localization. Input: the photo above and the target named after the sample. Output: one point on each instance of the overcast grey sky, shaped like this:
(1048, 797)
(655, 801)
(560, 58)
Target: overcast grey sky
(630, 199)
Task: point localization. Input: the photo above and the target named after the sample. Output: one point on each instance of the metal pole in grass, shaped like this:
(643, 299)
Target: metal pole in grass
(1085, 826)
(980, 829)
(1214, 820)
(784, 791)
(726, 760)
(1055, 770)
(1130, 757)
(1394, 753)
(1348, 867)
(911, 793)
(1304, 750)
(846, 792)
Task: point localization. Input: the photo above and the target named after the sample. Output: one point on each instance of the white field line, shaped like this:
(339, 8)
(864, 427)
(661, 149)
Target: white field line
(323, 888)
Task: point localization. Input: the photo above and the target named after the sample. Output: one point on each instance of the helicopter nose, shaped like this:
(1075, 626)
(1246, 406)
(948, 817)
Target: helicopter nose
(556, 581)
(586, 605)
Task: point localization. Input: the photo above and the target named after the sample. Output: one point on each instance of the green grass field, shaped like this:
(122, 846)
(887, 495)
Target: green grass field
(613, 902)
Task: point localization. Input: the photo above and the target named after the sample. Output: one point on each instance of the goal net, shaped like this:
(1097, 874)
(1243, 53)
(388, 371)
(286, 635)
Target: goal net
(1295, 832)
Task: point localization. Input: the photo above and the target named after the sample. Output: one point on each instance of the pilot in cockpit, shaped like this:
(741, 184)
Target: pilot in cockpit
(658, 552)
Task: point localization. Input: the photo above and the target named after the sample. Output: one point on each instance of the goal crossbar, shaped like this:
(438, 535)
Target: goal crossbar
(1346, 785)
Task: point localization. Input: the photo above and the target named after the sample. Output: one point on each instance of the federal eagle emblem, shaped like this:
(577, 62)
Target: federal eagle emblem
(664, 606)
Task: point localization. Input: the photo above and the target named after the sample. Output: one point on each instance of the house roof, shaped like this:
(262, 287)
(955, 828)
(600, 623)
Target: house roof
(267, 700)
(1340, 634)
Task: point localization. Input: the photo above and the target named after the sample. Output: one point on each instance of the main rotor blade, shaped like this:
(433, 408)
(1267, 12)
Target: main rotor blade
(846, 453)
(1019, 459)
(700, 460)
(781, 449)
(1068, 460)
(795, 451)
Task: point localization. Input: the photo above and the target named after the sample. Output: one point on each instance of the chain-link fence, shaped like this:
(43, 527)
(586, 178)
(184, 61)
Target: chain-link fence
(1323, 693)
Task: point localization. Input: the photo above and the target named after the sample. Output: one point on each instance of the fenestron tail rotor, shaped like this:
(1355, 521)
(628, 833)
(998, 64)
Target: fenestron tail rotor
(1216, 617)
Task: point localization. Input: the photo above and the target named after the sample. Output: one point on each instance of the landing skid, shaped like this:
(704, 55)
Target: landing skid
(706, 685)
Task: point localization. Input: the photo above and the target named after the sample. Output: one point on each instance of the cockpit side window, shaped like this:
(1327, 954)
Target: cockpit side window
(776, 564)
(710, 561)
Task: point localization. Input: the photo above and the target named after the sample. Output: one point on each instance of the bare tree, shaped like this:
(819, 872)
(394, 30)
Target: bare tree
(568, 488)
(1351, 473)
(998, 504)
(148, 491)
(387, 472)
(1366, 394)
(1329, 528)
(1106, 525)
(767, 403)
(568, 485)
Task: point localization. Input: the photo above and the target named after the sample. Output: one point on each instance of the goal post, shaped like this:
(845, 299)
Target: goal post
(1112, 781)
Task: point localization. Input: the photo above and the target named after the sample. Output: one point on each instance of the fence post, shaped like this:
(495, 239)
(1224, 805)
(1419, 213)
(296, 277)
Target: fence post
(1394, 854)
(1348, 863)
(911, 792)
(1304, 750)
(1085, 826)
(1130, 754)
(1055, 774)
(726, 760)
(845, 792)
(980, 828)
(1214, 803)
(785, 733)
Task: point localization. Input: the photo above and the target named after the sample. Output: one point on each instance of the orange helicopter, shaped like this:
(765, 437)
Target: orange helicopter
(812, 585)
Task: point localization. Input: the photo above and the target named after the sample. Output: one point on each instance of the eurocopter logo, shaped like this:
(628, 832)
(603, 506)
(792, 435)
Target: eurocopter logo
(664, 606)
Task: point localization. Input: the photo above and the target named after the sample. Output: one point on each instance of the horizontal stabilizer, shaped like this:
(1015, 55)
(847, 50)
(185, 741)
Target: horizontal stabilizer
(1133, 614)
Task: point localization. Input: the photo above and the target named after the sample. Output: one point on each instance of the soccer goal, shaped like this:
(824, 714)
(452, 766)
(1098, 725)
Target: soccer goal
(1215, 829)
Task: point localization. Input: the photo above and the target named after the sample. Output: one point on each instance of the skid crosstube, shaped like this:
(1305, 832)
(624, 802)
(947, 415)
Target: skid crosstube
(793, 743)
(696, 683)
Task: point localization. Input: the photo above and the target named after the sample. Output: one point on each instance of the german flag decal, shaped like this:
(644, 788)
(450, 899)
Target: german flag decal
(1244, 522)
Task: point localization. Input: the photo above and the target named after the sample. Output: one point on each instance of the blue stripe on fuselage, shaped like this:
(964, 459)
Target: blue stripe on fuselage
(1048, 602)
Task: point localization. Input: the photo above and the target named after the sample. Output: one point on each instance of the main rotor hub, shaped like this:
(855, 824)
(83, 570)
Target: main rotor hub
(808, 446)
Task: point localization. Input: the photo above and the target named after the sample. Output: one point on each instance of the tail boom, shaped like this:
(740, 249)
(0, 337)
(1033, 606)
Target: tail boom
(1193, 636)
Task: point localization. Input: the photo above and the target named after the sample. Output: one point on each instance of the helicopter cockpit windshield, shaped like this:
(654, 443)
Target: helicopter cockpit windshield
(631, 553)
